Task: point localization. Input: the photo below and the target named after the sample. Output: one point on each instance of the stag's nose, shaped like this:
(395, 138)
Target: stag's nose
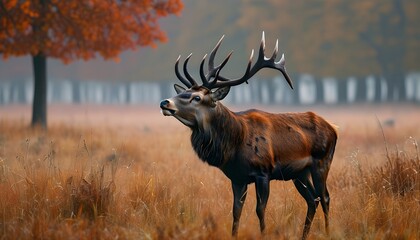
(164, 103)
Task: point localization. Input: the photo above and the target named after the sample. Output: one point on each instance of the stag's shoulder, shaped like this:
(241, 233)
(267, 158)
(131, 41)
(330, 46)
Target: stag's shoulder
(255, 115)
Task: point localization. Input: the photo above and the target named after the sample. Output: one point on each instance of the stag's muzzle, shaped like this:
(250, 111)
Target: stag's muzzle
(166, 109)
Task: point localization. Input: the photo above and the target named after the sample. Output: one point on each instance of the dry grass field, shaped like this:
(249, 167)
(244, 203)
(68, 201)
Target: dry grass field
(126, 172)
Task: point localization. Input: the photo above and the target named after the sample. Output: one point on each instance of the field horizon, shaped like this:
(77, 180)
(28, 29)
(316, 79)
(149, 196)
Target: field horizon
(128, 172)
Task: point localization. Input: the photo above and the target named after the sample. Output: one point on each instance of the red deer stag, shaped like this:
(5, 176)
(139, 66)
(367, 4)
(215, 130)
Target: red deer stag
(254, 146)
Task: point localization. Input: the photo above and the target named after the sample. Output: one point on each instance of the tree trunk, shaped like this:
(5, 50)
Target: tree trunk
(319, 91)
(39, 107)
(378, 90)
(342, 91)
(76, 92)
(396, 86)
(295, 91)
(361, 93)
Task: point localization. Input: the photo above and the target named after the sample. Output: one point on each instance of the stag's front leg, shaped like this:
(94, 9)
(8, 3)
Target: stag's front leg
(239, 196)
(262, 187)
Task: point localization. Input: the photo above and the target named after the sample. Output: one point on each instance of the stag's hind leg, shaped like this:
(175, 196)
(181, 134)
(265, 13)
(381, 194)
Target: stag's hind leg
(319, 174)
(306, 189)
(322, 194)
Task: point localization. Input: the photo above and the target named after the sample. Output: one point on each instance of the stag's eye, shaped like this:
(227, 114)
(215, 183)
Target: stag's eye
(197, 98)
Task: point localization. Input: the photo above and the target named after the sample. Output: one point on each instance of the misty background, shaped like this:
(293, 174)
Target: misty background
(337, 52)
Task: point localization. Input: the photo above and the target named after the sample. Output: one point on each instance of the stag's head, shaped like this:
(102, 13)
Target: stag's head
(193, 105)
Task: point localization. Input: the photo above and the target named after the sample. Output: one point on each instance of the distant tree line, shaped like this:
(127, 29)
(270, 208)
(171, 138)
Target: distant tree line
(308, 90)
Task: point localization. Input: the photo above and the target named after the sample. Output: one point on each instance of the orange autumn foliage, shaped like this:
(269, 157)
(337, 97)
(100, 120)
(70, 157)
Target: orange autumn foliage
(70, 30)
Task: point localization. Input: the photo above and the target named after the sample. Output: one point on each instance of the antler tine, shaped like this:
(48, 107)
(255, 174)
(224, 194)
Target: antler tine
(276, 50)
(178, 74)
(186, 73)
(225, 61)
(250, 58)
(202, 74)
(248, 67)
(281, 65)
(262, 48)
(215, 77)
(213, 53)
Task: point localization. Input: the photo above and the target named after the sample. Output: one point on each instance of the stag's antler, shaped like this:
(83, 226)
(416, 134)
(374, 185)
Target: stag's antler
(190, 82)
(220, 81)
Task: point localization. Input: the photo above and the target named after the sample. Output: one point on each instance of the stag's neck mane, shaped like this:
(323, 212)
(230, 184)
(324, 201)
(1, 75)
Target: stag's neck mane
(214, 141)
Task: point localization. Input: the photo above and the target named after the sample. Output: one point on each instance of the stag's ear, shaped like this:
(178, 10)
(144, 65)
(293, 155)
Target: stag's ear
(178, 88)
(220, 93)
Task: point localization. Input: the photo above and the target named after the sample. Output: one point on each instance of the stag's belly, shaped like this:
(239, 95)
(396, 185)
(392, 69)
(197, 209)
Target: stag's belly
(287, 170)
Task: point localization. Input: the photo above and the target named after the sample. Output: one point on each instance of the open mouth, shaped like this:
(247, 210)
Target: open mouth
(167, 111)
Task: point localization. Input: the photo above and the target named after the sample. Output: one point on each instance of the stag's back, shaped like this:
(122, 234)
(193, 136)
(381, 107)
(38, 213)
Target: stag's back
(286, 138)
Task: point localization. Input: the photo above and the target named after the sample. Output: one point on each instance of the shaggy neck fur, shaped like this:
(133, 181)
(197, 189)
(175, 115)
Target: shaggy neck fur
(215, 142)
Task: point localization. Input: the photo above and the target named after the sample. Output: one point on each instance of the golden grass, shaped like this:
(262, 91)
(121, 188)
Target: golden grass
(135, 176)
